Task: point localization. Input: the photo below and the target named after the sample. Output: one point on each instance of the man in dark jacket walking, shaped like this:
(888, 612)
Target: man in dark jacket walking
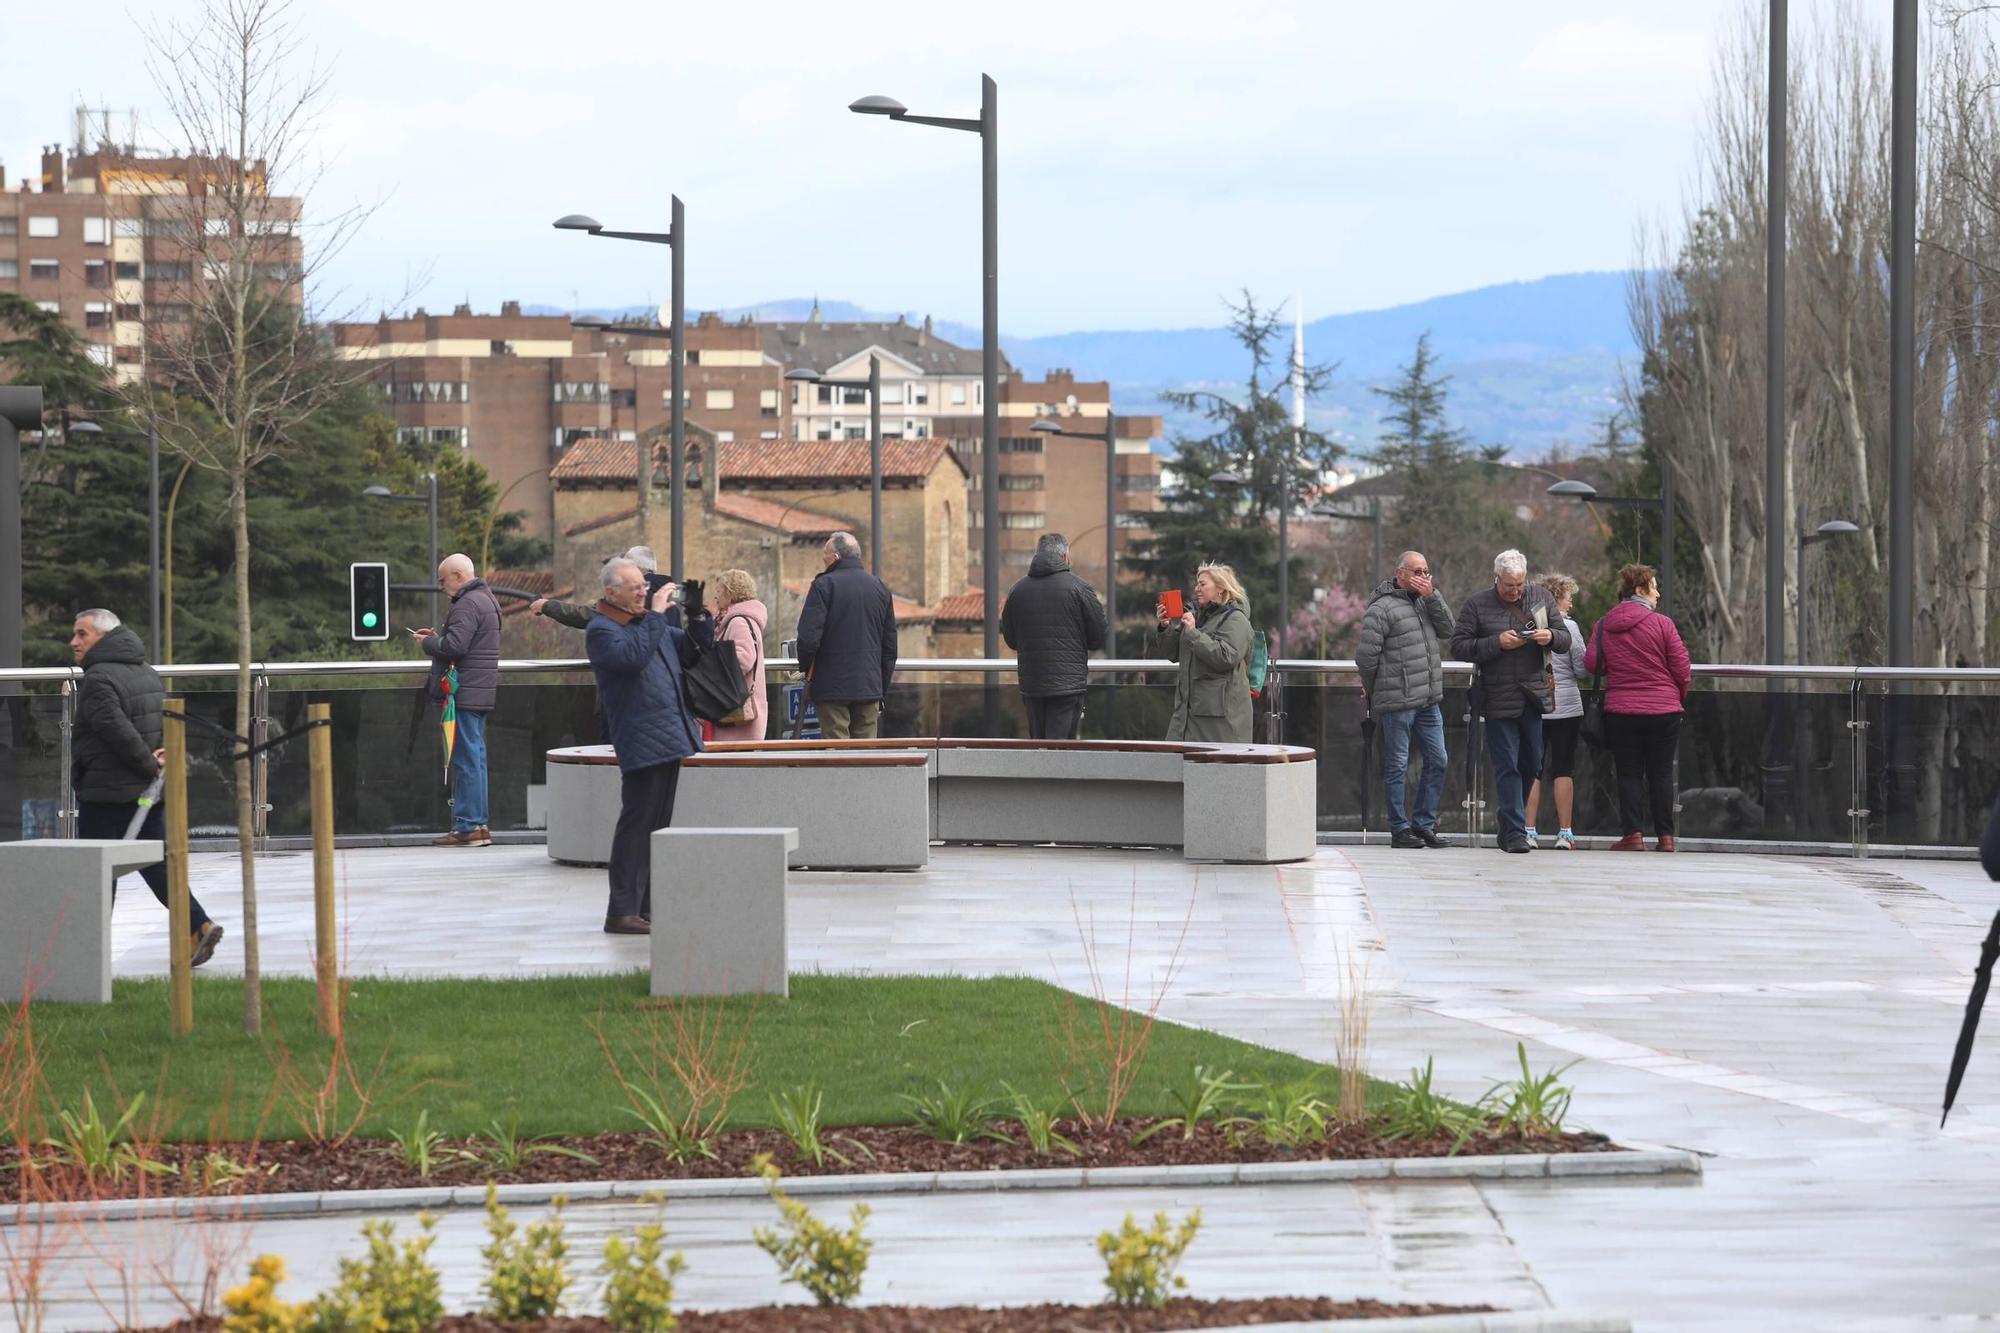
(847, 642)
(1053, 621)
(638, 660)
(1509, 631)
(1402, 674)
(470, 641)
(117, 752)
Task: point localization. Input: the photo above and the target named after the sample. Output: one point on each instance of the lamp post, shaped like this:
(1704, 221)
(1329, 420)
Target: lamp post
(430, 499)
(1110, 437)
(987, 127)
(1373, 516)
(1664, 503)
(676, 238)
(152, 521)
(1827, 531)
(873, 386)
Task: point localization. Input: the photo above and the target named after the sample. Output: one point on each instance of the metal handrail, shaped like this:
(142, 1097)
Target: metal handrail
(946, 665)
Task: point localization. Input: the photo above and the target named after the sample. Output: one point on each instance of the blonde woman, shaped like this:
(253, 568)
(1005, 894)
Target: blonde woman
(740, 621)
(1562, 725)
(1212, 644)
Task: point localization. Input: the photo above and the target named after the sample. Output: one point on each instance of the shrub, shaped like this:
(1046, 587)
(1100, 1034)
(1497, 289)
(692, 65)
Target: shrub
(955, 1117)
(254, 1307)
(1200, 1098)
(526, 1272)
(1142, 1263)
(1531, 1104)
(1038, 1125)
(639, 1280)
(102, 1150)
(824, 1259)
(420, 1148)
(393, 1289)
(1287, 1116)
(798, 1113)
(1419, 1112)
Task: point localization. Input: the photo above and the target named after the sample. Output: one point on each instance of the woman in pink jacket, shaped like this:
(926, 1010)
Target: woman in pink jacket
(740, 620)
(1646, 676)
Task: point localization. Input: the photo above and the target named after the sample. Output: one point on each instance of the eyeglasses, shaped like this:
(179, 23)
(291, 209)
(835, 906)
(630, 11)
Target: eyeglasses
(1418, 573)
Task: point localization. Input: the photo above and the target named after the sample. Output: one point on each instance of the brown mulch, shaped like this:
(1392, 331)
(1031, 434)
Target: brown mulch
(296, 1166)
(963, 1318)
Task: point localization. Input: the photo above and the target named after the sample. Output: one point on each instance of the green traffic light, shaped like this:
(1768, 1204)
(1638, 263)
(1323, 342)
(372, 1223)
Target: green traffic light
(368, 619)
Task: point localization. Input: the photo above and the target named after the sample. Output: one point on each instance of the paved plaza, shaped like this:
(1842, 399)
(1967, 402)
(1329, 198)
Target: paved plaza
(1791, 1019)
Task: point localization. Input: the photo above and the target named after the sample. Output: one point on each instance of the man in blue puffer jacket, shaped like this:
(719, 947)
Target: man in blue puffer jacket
(638, 658)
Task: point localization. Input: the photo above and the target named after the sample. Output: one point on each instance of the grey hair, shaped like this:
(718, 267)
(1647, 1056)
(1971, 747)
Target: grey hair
(1053, 542)
(100, 619)
(1510, 561)
(642, 556)
(843, 544)
(615, 565)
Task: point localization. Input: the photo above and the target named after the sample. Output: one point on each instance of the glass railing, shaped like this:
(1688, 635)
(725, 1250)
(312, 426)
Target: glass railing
(1842, 758)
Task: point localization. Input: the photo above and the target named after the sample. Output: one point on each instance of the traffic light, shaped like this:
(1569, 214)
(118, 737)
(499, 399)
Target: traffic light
(368, 601)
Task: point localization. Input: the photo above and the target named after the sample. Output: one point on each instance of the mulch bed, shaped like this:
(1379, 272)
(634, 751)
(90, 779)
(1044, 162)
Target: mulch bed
(963, 1318)
(293, 1166)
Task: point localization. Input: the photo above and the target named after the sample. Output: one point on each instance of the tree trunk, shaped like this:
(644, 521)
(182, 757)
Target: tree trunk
(246, 794)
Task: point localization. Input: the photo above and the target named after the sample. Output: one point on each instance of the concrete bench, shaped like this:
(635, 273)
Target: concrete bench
(719, 910)
(1085, 793)
(55, 915)
(1254, 804)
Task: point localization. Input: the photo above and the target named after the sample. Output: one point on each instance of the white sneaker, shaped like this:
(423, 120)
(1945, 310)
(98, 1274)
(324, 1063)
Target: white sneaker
(1565, 843)
(1534, 841)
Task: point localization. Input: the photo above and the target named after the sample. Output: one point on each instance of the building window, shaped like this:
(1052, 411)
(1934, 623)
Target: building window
(128, 355)
(979, 394)
(10, 268)
(417, 392)
(169, 272)
(128, 228)
(769, 435)
(767, 402)
(693, 355)
(169, 313)
(853, 395)
(825, 392)
(719, 400)
(725, 437)
(923, 430)
(625, 398)
(126, 270)
(857, 432)
(44, 270)
(958, 395)
(1022, 481)
(1024, 520)
(1138, 481)
(100, 353)
(53, 307)
(581, 391)
(97, 231)
(96, 315)
(10, 226)
(823, 434)
(95, 274)
(1031, 445)
(1134, 519)
(667, 396)
(500, 347)
(452, 435)
(215, 226)
(46, 229)
(920, 393)
(125, 310)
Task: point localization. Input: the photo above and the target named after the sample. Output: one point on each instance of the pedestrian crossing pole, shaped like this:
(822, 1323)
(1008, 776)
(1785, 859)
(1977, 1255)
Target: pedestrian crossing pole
(180, 973)
(320, 746)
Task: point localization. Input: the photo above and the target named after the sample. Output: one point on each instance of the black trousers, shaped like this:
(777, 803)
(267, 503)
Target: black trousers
(1643, 747)
(1054, 717)
(108, 819)
(647, 804)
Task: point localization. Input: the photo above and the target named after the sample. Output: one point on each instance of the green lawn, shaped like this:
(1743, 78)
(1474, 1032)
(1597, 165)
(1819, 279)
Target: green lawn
(472, 1051)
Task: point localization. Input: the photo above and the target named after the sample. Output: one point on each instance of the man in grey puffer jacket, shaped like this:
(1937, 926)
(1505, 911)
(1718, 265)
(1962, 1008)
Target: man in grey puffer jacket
(1402, 671)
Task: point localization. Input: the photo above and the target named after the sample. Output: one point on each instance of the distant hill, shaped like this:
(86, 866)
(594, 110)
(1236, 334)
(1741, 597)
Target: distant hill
(1533, 364)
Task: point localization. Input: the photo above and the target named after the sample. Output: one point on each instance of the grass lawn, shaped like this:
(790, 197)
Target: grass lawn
(472, 1051)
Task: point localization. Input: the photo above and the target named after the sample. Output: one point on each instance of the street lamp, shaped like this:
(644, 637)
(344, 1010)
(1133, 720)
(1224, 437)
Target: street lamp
(643, 454)
(987, 127)
(1664, 503)
(676, 238)
(430, 498)
(1110, 437)
(1373, 516)
(873, 386)
(1827, 531)
(152, 524)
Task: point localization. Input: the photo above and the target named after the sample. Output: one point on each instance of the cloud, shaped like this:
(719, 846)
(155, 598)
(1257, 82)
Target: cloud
(1616, 47)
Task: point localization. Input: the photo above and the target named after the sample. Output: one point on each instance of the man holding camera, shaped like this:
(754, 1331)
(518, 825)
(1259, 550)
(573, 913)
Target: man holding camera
(1511, 631)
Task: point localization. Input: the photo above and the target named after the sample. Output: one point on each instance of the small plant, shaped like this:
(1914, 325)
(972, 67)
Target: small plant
(526, 1271)
(392, 1289)
(1419, 1112)
(824, 1259)
(101, 1151)
(1142, 1263)
(1350, 1043)
(1531, 1104)
(220, 1173)
(419, 1148)
(639, 1280)
(1286, 1116)
(678, 1138)
(1038, 1125)
(798, 1113)
(955, 1117)
(680, 1065)
(507, 1149)
(1200, 1099)
(254, 1307)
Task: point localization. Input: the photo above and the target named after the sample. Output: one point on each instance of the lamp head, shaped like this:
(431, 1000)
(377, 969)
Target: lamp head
(1835, 527)
(578, 222)
(597, 325)
(878, 105)
(1047, 427)
(1227, 477)
(1574, 490)
(85, 428)
(378, 492)
(803, 376)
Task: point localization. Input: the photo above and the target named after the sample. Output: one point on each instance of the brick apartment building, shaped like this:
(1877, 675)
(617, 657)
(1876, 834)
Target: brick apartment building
(518, 391)
(119, 243)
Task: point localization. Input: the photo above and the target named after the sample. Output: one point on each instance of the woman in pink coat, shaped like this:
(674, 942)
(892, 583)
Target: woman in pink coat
(740, 620)
(1646, 676)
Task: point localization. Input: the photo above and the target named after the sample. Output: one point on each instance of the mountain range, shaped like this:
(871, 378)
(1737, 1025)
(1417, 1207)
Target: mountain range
(1533, 365)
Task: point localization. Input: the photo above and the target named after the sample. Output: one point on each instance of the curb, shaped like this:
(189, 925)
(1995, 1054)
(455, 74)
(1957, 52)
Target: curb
(1521, 1321)
(1654, 1162)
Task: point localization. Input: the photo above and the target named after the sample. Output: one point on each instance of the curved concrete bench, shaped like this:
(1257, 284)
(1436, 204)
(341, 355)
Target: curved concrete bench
(851, 800)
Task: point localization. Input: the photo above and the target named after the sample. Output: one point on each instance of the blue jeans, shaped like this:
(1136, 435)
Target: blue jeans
(1428, 724)
(468, 772)
(1515, 744)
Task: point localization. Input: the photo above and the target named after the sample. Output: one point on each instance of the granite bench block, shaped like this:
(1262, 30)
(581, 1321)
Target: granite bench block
(719, 910)
(55, 915)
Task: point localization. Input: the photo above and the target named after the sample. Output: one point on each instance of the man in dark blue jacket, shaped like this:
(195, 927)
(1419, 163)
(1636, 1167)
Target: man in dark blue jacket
(638, 659)
(847, 642)
(469, 639)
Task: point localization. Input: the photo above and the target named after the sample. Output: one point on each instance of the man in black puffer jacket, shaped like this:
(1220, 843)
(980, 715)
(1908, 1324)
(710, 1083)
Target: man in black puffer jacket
(847, 642)
(1053, 621)
(117, 751)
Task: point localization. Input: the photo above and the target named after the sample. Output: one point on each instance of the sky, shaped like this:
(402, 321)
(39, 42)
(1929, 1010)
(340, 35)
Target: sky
(1154, 158)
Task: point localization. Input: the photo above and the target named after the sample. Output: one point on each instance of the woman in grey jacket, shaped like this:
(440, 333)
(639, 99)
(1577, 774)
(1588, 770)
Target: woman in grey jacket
(1561, 727)
(1212, 645)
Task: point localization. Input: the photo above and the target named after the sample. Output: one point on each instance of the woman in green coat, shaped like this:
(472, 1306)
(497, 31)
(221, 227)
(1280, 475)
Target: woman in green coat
(1212, 644)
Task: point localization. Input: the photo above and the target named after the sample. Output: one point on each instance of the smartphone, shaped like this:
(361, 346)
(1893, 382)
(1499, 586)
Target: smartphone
(691, 597)
(1171, 599)
(411, 630)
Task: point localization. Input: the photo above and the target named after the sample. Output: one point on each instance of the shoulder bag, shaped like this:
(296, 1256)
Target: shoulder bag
(739, 717)
(714, 686)
(1592, 726)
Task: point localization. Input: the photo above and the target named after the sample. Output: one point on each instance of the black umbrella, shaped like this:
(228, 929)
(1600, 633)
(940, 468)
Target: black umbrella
(1982, 977)
(1367, 760)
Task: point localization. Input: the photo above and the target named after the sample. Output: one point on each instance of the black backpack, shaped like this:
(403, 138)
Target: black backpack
(714, 685)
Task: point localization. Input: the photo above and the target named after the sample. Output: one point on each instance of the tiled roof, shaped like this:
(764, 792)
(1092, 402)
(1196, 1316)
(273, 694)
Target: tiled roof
(829, 460)
(817, 346)
(907, 611)
(967, 606)
(594, 458)
(784, 518)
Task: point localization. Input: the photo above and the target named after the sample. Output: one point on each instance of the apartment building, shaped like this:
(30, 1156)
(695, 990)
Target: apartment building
(120, 244)
(519, 391)
(924, 377)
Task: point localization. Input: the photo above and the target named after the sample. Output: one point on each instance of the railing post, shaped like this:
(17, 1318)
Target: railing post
(260, 763)
(1474, 805)
(66, 811)
(1857, 783)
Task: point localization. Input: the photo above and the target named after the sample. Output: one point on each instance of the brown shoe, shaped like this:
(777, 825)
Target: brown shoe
(205, 941)
(1631, 842)
(1664, 843)
(627, 925)
(476, 837)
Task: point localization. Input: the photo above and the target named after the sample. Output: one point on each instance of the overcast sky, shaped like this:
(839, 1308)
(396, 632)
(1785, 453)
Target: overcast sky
(1154, 157)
